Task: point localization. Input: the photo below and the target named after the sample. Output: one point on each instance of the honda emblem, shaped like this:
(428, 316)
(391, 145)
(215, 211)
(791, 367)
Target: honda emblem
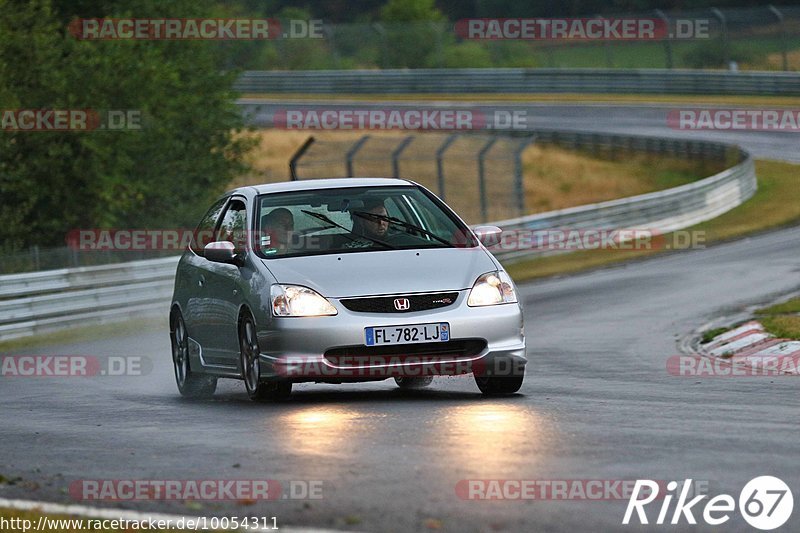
(402, 304)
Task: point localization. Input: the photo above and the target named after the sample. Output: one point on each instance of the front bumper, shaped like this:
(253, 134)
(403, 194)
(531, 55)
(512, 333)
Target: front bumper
(295, 348)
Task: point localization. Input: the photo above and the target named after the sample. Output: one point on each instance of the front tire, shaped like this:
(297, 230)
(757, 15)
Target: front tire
(257, 390)
(190, 384)
(499, 385)
(406, 383)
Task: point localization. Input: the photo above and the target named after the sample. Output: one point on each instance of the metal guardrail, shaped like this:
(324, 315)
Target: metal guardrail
(662, 211)
(520, 80)
(40, 302)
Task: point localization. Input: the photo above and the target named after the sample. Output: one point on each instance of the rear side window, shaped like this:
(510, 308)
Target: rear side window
(204, 233)
(234, 225)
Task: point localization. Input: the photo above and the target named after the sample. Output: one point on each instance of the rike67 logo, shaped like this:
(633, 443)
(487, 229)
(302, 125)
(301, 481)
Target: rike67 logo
(765, 502)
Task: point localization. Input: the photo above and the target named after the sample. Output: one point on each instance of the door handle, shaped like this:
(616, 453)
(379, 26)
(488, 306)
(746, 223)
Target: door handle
(201, 281)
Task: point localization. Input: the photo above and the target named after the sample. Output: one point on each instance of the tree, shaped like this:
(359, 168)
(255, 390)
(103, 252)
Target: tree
(162, 175)
(414, 31)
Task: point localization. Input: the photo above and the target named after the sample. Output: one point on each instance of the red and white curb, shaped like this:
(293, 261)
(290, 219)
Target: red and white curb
(82, 511)
(751, 345)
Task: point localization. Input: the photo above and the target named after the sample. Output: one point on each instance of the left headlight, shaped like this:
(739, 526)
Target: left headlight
(296, 300)
(492, 288)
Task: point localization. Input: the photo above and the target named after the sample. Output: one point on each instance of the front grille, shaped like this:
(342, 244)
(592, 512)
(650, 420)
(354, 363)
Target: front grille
(455, 349)
(386, 304)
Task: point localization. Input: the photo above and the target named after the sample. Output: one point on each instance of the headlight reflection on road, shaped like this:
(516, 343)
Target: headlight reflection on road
(322, 430)
(488, 439)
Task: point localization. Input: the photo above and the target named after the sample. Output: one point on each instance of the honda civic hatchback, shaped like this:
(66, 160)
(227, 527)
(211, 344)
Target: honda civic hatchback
(342, 280)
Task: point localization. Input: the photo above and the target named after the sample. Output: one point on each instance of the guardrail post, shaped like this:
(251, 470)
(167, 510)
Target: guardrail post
(723, 20)
(396, 155)
(667, 37)
(784, 36)
(519, 183)
(296, 157)
(481, 177)
(440, 162)
(351, 153)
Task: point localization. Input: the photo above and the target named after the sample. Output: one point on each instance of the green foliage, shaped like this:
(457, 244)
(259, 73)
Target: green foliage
(466, 55)
(413, 36)
(713, 54)
(162, 175)
(411, 11)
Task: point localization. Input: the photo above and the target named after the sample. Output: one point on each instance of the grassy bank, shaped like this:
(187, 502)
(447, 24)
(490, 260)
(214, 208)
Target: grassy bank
(775, 204)
(782, 320)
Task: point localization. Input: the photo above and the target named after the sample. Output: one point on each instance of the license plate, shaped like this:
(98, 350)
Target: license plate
(411, 334)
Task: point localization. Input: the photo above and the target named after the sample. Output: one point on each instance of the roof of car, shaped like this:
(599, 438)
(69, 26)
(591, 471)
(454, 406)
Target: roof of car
(304, 185)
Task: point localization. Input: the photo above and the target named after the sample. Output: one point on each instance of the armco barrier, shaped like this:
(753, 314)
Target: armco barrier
(34, 303)
(662, 211)
(41, 302)
(520, 80)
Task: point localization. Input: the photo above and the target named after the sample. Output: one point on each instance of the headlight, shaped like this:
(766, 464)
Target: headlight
(492, 288)
(294, 300)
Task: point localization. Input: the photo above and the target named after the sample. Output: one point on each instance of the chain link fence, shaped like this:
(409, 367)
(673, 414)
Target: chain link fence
(480, 176)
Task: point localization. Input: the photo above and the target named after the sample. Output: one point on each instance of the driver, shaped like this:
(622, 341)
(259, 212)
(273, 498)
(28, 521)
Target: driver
(367, 228)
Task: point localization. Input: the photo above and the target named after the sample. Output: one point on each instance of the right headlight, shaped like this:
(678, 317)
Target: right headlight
(296, 300)
(492, 288)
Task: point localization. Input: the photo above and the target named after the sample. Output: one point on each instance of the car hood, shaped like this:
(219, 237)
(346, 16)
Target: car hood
(385, 272)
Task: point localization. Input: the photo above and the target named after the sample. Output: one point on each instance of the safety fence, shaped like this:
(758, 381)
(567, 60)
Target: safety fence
(34, 303)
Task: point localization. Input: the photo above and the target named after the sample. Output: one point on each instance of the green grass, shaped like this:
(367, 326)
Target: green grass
(709, 335)
(639, 54)
(783, 319)
(788, 307)
(782, 326)
(775, 204)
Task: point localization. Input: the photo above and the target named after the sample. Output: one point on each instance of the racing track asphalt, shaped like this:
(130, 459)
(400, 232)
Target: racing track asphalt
(597, 403)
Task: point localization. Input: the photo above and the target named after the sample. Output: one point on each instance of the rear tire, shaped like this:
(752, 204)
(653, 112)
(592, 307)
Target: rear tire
(190, 384)
(499, 385)
(413, 383)
(257, 390)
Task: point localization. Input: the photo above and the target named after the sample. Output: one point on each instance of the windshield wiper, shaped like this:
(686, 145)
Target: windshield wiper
(408, 225)
(327, 220)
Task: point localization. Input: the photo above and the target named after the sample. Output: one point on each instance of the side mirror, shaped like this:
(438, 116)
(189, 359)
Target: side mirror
(220, 252)
(488, 235)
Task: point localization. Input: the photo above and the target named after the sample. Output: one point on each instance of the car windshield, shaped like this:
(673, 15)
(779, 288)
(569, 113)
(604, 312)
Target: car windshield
(355, 219)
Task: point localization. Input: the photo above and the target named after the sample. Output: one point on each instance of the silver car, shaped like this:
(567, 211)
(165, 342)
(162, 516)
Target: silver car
(342, 280)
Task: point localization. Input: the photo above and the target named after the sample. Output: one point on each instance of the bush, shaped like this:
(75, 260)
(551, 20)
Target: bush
(712, 54)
